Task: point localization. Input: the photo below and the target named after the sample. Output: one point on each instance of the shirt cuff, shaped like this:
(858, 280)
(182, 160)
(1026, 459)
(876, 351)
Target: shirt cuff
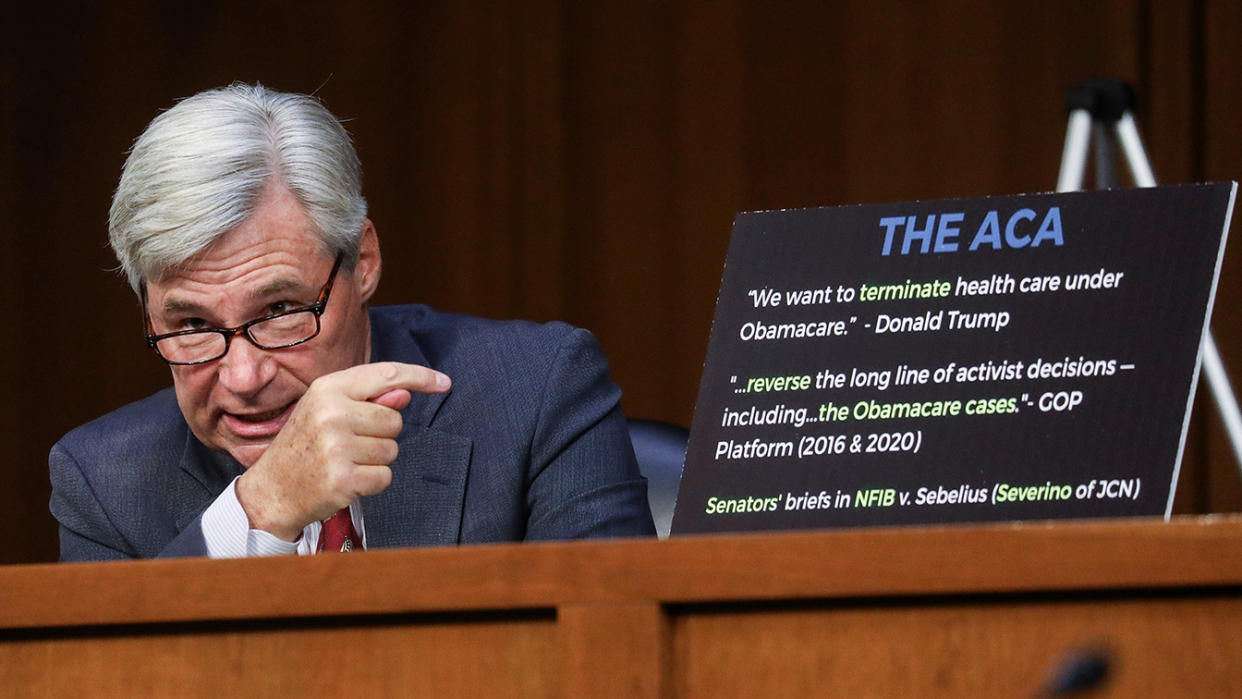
(226, 529)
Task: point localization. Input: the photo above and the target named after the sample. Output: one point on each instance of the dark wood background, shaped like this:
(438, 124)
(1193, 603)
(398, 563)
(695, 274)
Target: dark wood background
(573, 160)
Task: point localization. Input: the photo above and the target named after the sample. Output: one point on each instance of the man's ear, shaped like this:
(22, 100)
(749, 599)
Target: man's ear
(367, 271)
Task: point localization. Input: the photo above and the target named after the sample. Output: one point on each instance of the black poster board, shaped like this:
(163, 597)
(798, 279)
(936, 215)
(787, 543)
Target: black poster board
(1003, 358)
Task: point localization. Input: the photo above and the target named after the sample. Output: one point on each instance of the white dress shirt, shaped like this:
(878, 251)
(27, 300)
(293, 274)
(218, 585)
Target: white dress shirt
(227, 531)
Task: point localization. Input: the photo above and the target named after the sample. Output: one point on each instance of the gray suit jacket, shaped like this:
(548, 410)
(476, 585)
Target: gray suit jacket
(529, 444)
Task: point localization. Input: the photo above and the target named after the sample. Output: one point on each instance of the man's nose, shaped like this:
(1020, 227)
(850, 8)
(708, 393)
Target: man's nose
(246, 369)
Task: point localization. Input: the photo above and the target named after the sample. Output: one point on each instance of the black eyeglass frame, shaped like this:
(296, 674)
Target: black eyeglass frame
(317, 308)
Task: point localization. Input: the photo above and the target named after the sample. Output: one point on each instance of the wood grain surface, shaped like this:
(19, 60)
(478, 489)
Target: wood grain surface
(990, 610)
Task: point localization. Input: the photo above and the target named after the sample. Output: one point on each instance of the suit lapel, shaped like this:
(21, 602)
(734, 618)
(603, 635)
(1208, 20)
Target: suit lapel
(423, 505)
(204, 475)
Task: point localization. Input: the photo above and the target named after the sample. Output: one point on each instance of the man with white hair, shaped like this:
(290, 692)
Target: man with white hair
(300, 420)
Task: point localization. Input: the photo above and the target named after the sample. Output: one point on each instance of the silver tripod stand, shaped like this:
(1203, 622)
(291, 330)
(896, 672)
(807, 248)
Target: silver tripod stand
(1095, 106)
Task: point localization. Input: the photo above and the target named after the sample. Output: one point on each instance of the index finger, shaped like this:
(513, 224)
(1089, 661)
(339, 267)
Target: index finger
(367, 381)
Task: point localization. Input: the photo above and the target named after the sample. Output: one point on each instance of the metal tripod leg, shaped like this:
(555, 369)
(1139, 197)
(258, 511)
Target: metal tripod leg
(1073, 167)
(1074, 155)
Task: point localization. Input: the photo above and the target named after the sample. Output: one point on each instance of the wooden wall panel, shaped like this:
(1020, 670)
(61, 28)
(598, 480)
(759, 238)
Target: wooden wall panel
(1171, 125)
(1001, 648)
(1221, 157)
(626, 643)
(20, 492)
(502, 658)
(988, 610)
(571, 160)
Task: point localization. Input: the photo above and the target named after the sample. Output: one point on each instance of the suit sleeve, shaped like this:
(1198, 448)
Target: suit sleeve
(585, 481)
(87, 530)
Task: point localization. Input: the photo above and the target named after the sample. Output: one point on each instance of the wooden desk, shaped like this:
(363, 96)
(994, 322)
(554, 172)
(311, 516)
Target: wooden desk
(970, 610)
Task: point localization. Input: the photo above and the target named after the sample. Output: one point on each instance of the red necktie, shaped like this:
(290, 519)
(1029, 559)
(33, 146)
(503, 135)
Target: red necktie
(338, 534)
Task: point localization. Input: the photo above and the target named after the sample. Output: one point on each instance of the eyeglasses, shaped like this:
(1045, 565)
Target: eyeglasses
(273, 332)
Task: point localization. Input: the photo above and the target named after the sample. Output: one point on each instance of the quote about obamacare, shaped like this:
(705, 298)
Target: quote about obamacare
(1011, 357)
(835, 410)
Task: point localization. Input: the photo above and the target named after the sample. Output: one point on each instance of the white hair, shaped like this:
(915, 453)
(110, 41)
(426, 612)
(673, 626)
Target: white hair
(201, 168)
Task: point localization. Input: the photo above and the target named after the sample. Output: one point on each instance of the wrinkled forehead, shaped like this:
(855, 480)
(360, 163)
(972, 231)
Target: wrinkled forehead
(240, 272)
(277, 222)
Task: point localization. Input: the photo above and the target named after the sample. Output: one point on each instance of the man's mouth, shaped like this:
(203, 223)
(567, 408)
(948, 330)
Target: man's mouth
(258, 425)
(260, 417)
